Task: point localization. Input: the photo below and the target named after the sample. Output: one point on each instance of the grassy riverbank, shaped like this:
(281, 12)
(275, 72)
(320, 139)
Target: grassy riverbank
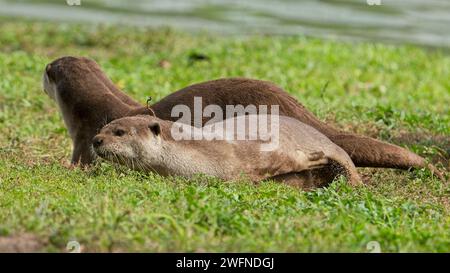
(399, 94)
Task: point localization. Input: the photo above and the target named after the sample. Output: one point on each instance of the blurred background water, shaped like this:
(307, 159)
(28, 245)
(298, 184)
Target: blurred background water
(424, 22)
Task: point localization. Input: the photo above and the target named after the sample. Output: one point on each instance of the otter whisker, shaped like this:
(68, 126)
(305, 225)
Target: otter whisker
(148, 167)
(92, 151)
(105, 121)
(117, 160)
(132, 164)
(138, 165)
(145, 167)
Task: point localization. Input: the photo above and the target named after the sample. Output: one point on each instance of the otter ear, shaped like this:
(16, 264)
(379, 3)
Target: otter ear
(155, 128)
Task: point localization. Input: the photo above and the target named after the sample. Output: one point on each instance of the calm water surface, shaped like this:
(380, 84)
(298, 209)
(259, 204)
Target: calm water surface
(424, 22)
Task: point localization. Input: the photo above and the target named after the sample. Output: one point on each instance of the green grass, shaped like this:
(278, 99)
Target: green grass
(400, 94)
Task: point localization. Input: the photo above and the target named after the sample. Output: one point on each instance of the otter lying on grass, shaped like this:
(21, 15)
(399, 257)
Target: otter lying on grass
(88, 100)
(147, 143)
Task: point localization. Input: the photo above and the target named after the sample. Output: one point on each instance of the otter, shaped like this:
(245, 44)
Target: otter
(290, 149)
(87, 99)
(364, 151)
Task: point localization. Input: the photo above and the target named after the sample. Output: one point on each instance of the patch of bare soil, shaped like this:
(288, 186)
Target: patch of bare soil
(20, 243)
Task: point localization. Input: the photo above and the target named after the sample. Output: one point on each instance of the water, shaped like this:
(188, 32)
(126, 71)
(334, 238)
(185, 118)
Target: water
(424, 22)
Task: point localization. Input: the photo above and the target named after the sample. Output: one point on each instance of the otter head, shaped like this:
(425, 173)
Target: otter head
(132, 141)
(68, 71)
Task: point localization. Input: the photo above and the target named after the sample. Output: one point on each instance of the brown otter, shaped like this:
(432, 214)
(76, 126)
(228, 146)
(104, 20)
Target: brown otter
(87, 75)
(364, 151)
(87, 99)
(148, 143)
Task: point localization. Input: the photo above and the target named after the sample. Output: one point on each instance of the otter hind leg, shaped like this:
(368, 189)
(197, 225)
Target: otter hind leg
(312, 160)
(316, 155)
(319, 177)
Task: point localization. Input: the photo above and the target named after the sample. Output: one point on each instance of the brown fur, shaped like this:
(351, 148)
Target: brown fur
(87, 99)
(134, 141)
(364, 151)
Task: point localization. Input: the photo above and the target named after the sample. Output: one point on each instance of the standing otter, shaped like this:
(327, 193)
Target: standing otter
(148, 143)
(87, 99)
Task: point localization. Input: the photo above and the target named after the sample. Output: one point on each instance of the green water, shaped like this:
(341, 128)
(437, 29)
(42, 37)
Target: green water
(424, 22)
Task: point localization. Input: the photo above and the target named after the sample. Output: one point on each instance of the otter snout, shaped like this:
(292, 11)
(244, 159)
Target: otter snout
(97, 141)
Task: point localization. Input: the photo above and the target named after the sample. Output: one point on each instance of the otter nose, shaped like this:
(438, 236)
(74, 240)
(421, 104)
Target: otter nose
(97, 141)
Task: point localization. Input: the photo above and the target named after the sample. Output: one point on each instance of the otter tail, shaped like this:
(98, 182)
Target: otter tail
(369, 152)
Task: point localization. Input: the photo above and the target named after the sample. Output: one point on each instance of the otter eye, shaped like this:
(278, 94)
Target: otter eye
(119, 132)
